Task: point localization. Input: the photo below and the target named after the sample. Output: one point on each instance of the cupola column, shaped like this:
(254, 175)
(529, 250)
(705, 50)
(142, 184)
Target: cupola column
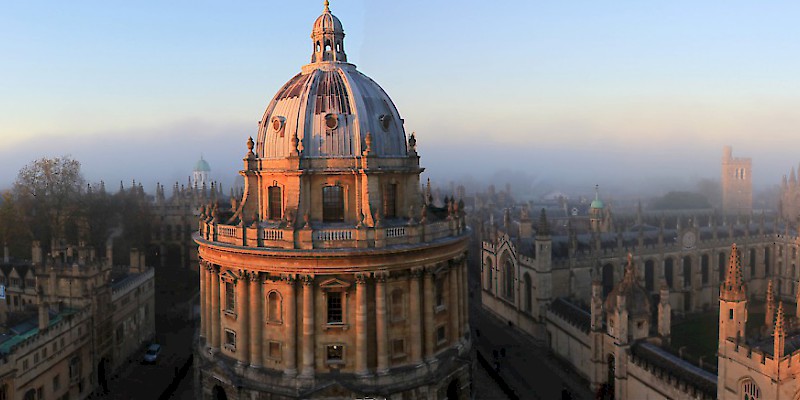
(428, 309)
(243, 312)
(215, 338)
(414, 316)
(361, 325)
(381, 329)
(256, 320)
(203, 305)
(308, 327)
(290, 315)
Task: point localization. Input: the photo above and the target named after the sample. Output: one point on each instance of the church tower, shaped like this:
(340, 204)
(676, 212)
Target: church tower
(732, 300)
(737, 184)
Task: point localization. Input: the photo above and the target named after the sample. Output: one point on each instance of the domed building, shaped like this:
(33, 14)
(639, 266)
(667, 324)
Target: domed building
(331, 277)
(200, 174)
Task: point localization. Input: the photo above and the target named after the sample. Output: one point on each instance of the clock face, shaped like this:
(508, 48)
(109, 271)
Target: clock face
(689, 239)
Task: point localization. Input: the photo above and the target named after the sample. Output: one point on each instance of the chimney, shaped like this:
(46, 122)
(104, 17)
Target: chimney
(6, 258)
(36, 252)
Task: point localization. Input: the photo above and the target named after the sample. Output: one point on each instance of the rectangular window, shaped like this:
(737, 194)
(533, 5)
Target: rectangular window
(397, 305)
(74, 368)
(230, 340)
(332, 204)
(335, 353)
(230, 297)
(275, 202)
(335, 307)
(439, 292)
(390, 201)
(25, 364)
(56, 383)
(440, 335)
(40, 392)
(730, 314)
(275, 350)
(398, 348)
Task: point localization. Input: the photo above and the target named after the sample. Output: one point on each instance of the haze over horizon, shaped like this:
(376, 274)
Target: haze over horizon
(622, 95)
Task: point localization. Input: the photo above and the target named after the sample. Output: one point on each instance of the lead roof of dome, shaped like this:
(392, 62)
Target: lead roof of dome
(331, 107)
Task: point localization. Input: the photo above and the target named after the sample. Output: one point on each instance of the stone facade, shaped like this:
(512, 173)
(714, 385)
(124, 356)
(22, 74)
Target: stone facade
(737, 184)
(330, 276)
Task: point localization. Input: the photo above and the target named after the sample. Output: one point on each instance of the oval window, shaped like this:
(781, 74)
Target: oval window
(386, 121)
(277, 123)
(331, 121)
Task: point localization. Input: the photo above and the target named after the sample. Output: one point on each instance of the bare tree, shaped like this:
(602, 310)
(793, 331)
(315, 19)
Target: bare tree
(47, 192)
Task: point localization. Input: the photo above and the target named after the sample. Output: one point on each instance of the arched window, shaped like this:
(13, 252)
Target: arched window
(608, 279)
(275, 202)
(274, 307)
(766, 261)
(750, 391)
(398, 305)
(704, 269)
(489, 274)
(508, 279)
(338, 47)
(318, 47)
(332, 204)
(528, 293)
(649, 278)
(752, 263)
(668, 273)
(327, 45)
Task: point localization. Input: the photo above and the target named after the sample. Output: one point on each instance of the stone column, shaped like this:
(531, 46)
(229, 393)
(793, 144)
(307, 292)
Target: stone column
(242, 317)
(203, 305)
(427, 312)
(381, 329)
(453, 312)
(464, 273)
(256, 320)
(361, 325)
(289, 317)
(414, 320)
(308, 327)
(215, 336)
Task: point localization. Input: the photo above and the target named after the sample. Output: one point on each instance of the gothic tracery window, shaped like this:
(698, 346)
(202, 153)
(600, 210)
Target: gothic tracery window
(750, 391)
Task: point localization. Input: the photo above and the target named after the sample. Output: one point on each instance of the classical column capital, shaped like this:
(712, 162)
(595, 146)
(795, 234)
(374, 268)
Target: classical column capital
(381, 276)
(289, 278)
(243, 275)
(361, 278)
(308, 280)
(416, 272)
(254, 277)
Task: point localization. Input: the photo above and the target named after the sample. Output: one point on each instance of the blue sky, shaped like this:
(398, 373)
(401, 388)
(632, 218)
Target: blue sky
(580, 91)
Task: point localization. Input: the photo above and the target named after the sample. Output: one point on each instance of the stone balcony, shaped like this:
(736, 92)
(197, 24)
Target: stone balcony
(333, 236)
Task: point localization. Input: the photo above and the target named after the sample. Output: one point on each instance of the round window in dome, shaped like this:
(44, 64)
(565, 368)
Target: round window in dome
(386, 121)
(331, 121)
(277, 123)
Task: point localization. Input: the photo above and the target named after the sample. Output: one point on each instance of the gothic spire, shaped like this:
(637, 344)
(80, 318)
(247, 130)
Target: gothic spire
(733, 288)
(779, 334)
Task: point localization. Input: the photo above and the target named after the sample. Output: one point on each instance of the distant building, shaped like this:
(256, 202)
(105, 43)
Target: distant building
(737, 184)
(200, 175)
(83, 321)
(333, 278)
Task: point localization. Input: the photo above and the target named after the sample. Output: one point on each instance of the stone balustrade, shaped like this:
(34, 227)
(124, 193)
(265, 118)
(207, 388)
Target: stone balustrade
(328, 237)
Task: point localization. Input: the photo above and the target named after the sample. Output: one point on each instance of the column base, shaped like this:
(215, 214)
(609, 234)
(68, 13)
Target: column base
(382, 372)
(255, 366)
(290, 372)
(363, 374)
(306, 374)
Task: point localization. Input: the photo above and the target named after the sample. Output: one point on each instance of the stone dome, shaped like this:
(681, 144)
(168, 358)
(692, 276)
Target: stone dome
(637, 301)
(330, 107)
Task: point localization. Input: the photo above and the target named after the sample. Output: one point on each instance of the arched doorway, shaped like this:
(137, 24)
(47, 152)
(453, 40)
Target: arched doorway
(452, 390)
(218, 393)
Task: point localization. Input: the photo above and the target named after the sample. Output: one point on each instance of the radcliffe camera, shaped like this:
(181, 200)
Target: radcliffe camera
(399, 201)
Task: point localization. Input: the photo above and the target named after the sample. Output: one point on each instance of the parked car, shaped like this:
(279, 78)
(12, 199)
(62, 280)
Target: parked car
(151, 355)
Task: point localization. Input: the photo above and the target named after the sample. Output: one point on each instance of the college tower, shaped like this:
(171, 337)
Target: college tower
(332, 276)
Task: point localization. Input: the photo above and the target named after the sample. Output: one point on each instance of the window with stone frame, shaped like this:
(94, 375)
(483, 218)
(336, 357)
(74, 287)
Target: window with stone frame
(275, 202)
(274, 307)
(335, 314)
(230, 297)
(390, 201)
(334, 354)
(750, 391)
(274, 351)
(398, 348)
(441, 334)
(333, 203)
(439, 292)
(397, 309)
(230, 340)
